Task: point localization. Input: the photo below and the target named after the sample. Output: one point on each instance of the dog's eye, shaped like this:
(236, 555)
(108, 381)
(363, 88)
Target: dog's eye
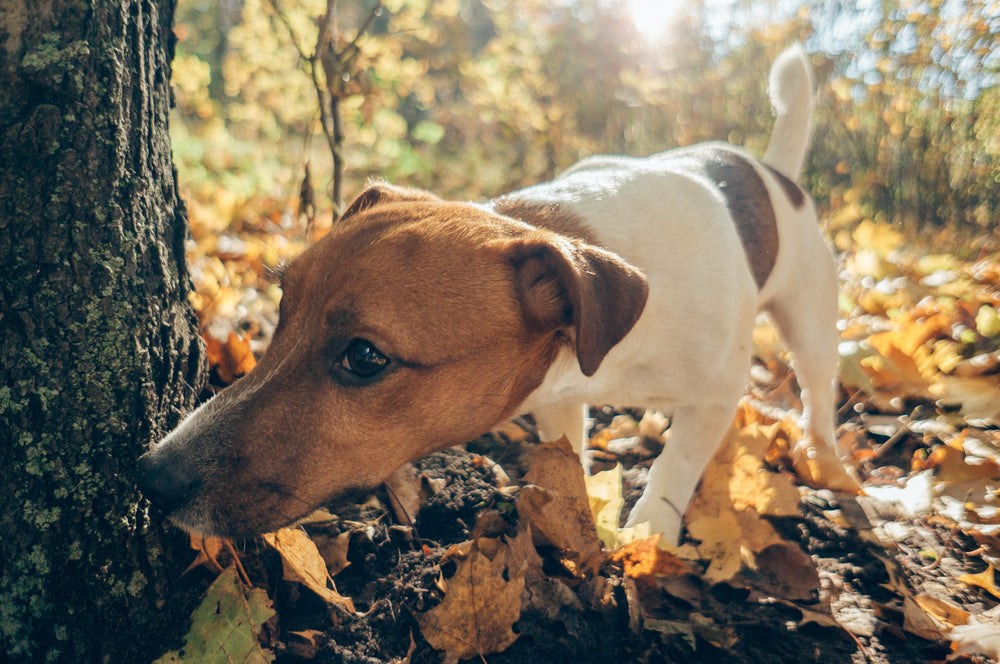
(363, 359)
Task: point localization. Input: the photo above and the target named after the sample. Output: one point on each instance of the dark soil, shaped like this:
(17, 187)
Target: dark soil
(853, 613)
(393, 570)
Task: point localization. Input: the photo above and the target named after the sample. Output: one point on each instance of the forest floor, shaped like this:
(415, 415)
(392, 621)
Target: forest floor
(485, 552)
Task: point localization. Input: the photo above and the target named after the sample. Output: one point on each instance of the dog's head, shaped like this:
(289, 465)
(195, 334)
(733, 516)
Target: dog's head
(415, 324)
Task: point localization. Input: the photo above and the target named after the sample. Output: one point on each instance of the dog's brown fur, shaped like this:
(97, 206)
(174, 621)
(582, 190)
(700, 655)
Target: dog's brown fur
(270, 447)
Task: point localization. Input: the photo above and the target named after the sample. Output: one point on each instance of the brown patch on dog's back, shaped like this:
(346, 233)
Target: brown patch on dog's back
(796, 196)
(550, 216)
(750, 207)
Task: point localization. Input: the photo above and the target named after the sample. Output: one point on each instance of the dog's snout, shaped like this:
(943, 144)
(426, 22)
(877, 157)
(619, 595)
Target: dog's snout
(166, 483)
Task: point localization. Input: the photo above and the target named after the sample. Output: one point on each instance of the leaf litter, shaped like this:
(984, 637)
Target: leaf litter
(504, 553)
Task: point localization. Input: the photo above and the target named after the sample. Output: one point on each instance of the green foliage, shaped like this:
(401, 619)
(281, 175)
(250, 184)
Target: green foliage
(475, 97)
(225, 627)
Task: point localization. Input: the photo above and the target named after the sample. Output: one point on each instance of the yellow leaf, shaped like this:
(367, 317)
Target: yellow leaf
(737, 478)
(750, 486)
(883, 239)
(720, 542)
(303, 564)
(819, 466)
(984, 580)
(605, 493)
(737, 489)
(946, 612)
(923, 622)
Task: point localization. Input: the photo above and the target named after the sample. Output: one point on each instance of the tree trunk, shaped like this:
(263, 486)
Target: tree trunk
(98, 347)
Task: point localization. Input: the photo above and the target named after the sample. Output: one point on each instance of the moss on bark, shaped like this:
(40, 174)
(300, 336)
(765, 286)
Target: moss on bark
(99, 350)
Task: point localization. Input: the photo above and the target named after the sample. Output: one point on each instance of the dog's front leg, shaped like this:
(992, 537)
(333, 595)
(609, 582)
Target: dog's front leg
(565, 419)
(695, 434)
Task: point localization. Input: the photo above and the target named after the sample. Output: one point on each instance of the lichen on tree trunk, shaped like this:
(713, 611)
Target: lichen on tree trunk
(98, 347)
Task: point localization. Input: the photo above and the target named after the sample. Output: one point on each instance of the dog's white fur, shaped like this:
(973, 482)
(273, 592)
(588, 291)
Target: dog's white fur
(690, 351)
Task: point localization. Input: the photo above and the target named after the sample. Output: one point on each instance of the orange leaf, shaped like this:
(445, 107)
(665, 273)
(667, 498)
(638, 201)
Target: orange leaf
(644, 558)
(231, 359)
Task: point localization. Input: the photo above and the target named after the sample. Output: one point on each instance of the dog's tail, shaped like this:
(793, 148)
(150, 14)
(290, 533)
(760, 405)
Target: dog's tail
(791, 88)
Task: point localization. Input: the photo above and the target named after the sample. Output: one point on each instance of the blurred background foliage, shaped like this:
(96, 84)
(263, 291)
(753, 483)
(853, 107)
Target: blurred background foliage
(472, 98)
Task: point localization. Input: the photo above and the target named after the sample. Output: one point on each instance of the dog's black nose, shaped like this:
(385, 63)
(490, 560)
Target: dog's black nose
(164, 481)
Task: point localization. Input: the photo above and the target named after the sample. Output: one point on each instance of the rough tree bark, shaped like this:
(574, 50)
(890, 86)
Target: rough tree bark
(98, 347)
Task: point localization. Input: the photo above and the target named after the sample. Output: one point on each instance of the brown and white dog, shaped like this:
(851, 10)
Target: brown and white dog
(417, 324)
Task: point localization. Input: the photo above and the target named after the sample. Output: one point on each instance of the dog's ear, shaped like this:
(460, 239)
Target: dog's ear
(380, 192)
(591, 294)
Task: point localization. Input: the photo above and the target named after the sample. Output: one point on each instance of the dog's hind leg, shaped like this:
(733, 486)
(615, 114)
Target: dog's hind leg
(810, 332)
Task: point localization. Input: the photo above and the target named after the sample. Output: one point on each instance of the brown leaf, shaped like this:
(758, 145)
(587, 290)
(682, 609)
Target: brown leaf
(784, 570)
(208, 549)
(334, 551)
(522, 556)
(479, 607)
(403, 487)
(555, 503)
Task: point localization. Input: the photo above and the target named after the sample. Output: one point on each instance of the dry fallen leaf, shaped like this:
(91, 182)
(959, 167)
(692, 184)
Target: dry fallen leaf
(522, 557)
(334, 551)
(302, 563)
(479, 607)
(928, 617)
(208, 549)
(645, 558)
(784, 570)
(736, 490)
(604, 491)
(985, 580)
(953, 465)
(232, 358)
(403, 487)
(948, 613)
(554, 501)
(981, 636)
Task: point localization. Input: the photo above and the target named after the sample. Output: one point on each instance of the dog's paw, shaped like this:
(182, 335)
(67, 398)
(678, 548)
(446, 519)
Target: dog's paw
(661, 516)
(819, 466)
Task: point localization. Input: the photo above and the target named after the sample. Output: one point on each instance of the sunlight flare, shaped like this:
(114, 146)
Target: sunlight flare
(652, 17)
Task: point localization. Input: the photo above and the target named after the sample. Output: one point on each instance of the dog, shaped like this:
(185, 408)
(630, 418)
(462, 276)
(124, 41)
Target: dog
(417, 324)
